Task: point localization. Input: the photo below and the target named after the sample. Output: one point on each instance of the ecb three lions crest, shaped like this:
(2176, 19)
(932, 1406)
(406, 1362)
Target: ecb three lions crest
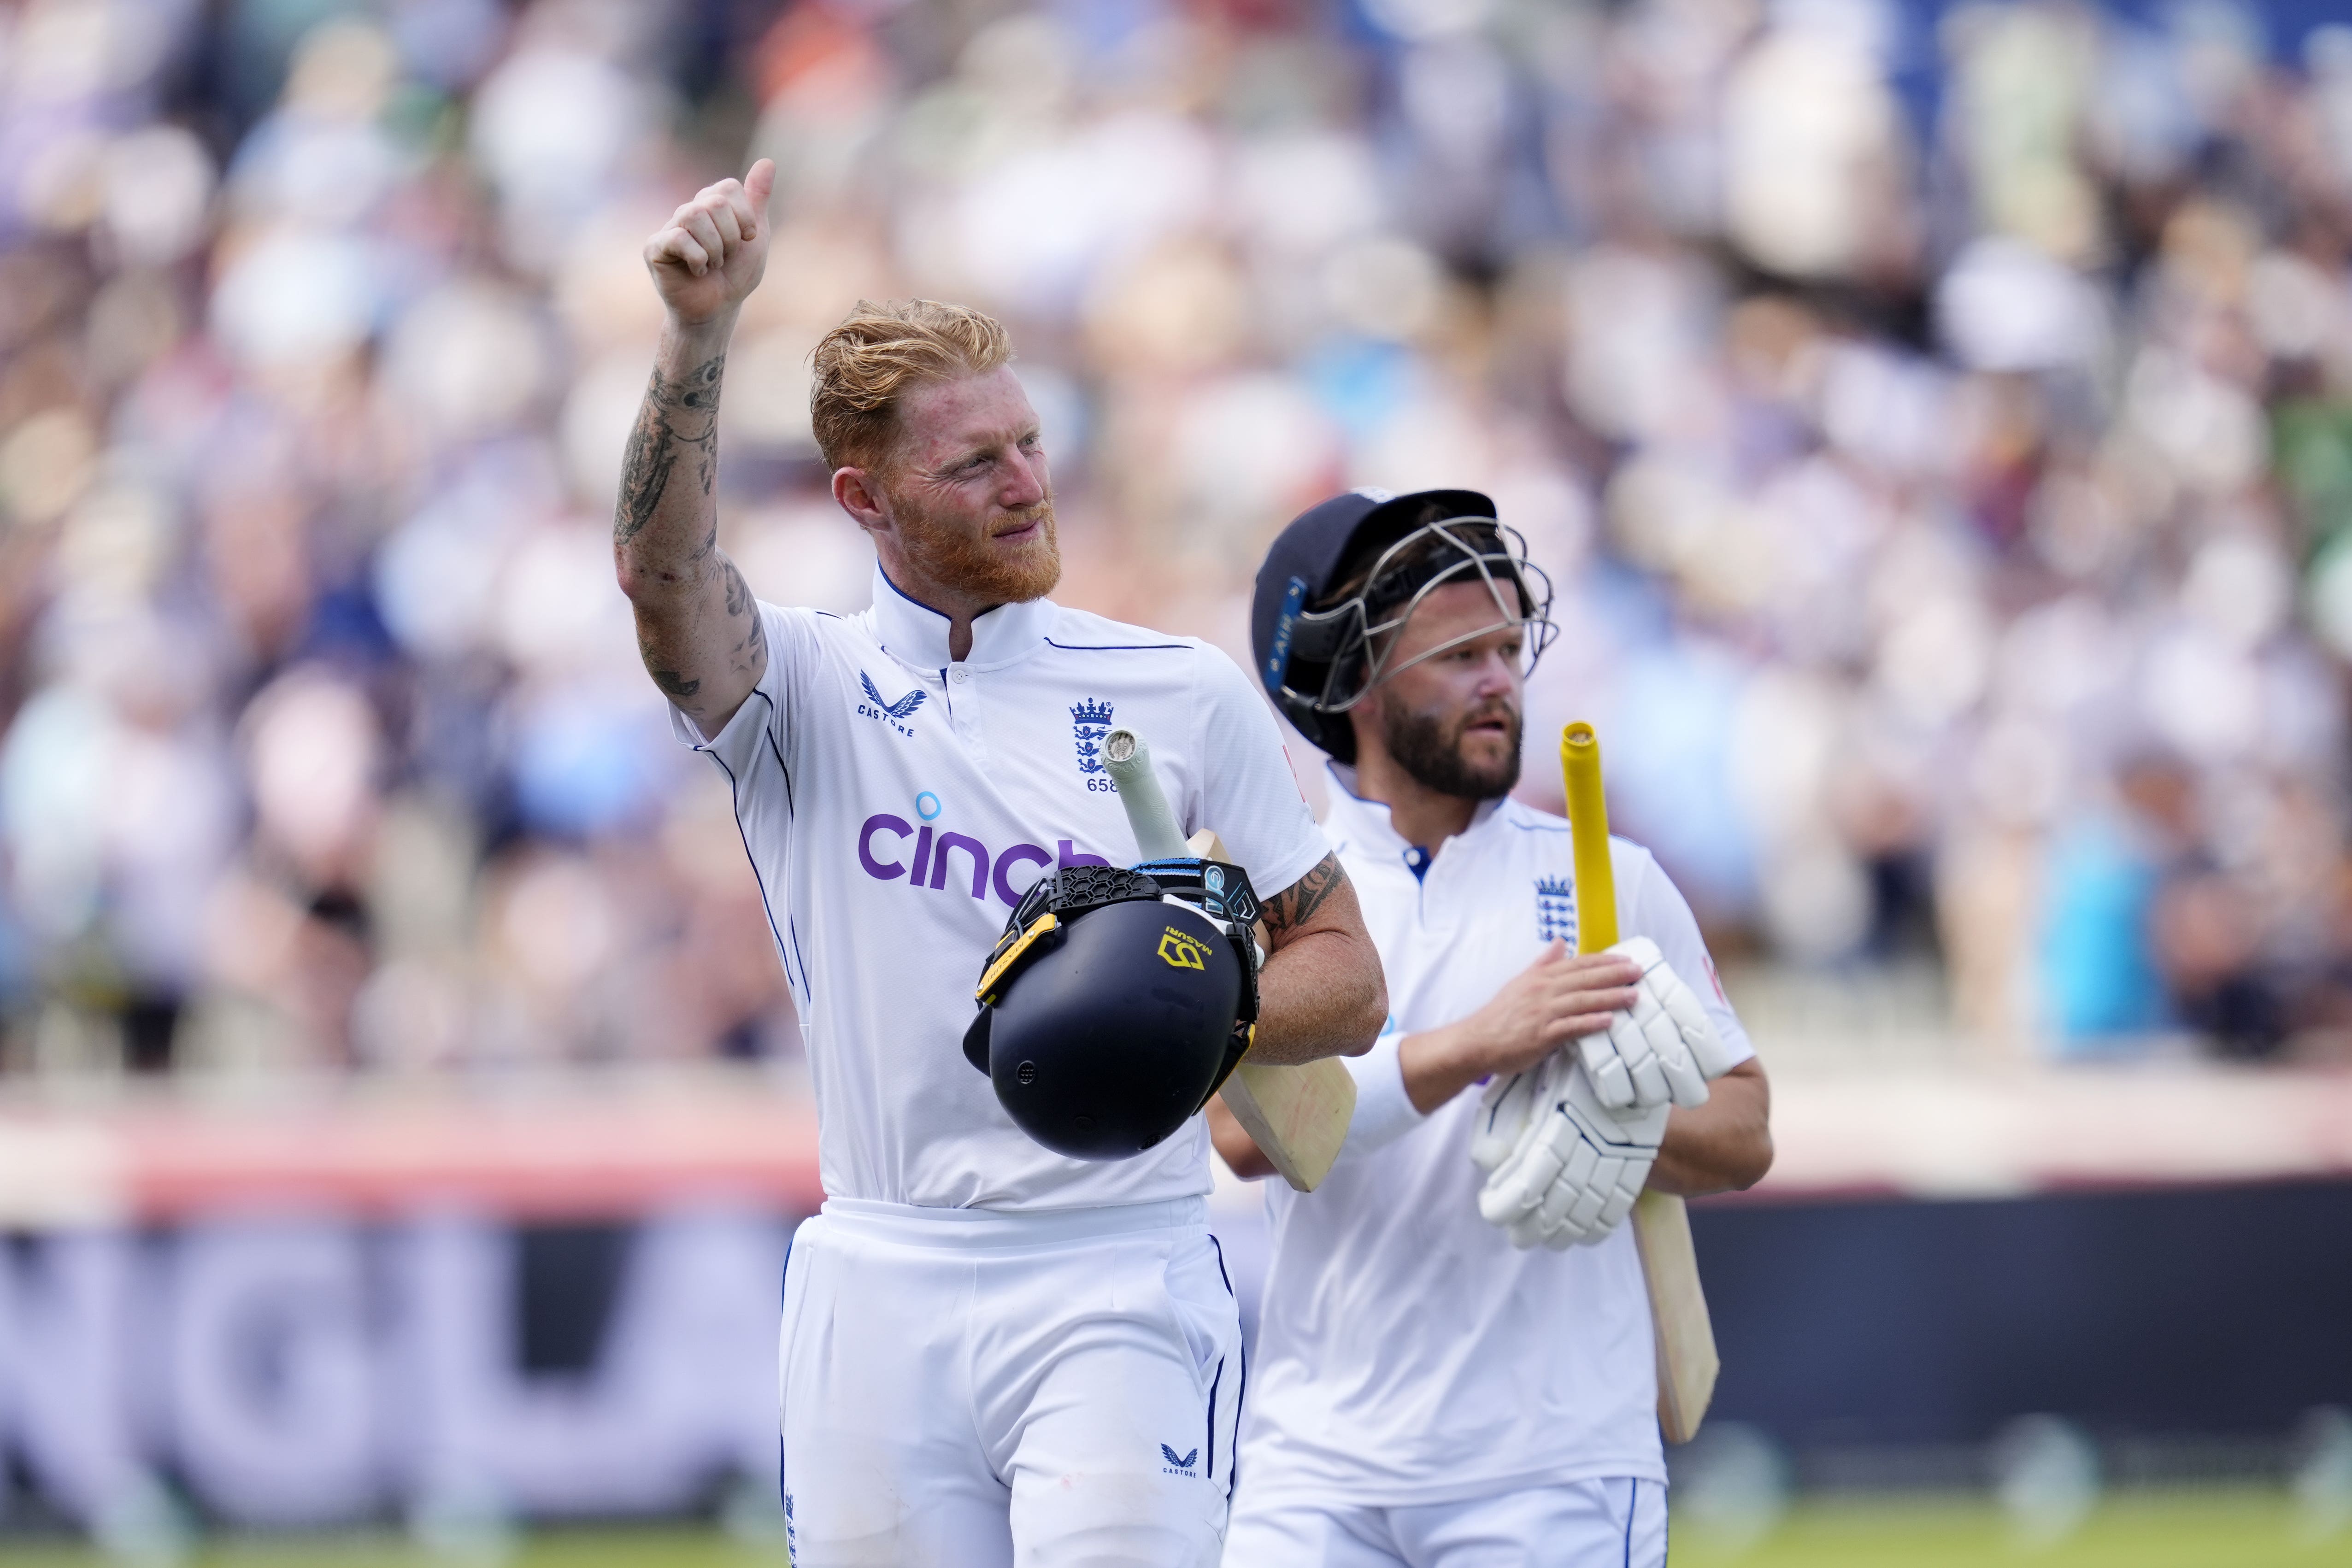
(1089, 722)
(1555, 910)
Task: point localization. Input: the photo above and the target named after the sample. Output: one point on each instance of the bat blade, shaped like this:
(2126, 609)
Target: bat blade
(1297, 1116)
(1685, 1334)
(1687, 1360)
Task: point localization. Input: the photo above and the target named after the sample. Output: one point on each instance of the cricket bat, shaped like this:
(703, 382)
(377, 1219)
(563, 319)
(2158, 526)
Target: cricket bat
(1297, 1116)
(1687, 1362)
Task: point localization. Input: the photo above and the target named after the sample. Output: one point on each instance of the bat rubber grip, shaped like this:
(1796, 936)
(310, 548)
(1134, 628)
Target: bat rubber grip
(1587, 830)
(1128, 762)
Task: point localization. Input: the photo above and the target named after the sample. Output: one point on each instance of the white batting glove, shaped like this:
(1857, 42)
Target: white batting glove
(1503, 1112)
(1662, 1050)
(1577, 1166)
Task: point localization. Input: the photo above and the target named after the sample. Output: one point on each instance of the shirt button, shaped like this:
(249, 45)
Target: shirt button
(958, 674)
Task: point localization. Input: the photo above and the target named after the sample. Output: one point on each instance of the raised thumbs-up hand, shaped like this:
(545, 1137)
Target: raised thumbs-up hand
(707, 260)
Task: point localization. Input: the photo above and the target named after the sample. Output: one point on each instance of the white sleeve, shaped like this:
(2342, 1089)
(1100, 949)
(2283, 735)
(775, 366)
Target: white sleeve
(1656, 910)
(1247, 790)
(771, 709)
(1384, 1112)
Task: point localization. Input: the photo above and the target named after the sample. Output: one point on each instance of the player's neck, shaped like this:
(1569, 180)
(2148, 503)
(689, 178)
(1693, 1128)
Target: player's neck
(960, 631)
(1420, 815)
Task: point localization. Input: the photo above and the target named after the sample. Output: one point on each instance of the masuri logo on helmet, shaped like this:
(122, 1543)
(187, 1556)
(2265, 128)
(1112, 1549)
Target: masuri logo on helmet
(1182, 950)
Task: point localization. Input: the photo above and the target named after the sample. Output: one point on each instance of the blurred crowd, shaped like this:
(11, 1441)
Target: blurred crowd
(1938, 424)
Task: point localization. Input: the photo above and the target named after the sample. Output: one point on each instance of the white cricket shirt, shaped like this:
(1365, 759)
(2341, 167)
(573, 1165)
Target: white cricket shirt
(896, 803)
(1407, 1352)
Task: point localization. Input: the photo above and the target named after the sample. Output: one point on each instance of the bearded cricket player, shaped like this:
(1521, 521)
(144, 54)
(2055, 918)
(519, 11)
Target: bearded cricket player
(991, 1353)
(1431, 1388)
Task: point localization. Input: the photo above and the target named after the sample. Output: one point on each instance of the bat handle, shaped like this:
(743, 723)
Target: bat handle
(1588, 828)
(1128, 762)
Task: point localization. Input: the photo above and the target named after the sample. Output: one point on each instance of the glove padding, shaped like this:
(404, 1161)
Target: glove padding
(1662, 1050)
(1503, 1112)
(1572, 1174)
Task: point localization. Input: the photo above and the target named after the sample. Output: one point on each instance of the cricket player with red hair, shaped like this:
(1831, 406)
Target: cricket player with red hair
(991, 1353)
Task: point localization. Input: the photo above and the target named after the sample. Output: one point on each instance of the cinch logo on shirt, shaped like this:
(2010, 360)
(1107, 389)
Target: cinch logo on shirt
(934, 858)
(895, 714)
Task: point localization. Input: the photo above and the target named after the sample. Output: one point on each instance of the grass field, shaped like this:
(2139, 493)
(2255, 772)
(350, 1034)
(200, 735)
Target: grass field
(2228, 1530)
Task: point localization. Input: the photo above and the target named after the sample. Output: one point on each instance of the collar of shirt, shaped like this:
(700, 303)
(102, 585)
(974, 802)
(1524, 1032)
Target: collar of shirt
(914, 634)
(1367, 820)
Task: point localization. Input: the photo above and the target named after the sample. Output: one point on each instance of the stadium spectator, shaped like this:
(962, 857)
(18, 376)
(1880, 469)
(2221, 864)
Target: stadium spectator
(1944, 445)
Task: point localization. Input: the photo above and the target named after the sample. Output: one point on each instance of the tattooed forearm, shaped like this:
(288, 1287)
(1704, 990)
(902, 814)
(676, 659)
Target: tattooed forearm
(1296, 904)
(698, 627)
(645, 469)
(678, 419)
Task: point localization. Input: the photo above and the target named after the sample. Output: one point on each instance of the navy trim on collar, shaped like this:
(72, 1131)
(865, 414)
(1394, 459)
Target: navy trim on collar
(916, 634)
(884, 573)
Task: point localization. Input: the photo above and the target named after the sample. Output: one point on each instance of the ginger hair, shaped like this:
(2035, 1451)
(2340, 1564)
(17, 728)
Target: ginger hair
(866, 364)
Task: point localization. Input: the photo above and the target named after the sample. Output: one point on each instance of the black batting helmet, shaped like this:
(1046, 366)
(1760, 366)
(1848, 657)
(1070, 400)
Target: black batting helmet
(1117, 1001)
(1349, 572)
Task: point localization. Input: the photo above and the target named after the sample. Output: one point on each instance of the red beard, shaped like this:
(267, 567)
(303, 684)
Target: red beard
(947, 555)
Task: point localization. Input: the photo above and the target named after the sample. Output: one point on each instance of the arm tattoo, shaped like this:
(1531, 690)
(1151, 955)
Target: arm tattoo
(658, 439)
(676, 684)
(1295, 905)
(753, 643)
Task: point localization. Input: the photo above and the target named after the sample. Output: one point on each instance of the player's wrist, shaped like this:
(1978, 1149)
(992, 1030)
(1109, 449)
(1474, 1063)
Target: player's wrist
(1493, 1042)
(699, 336)
(1438, 1064)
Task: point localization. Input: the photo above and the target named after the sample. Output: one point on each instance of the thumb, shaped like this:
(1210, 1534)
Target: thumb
(759, 183)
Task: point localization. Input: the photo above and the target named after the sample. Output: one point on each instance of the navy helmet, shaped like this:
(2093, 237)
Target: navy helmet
(1342, 580)
(1117, 1001)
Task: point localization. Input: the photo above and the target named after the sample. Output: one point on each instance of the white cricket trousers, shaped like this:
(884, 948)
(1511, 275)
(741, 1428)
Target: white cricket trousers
(1616, 1523)
(967, 1388)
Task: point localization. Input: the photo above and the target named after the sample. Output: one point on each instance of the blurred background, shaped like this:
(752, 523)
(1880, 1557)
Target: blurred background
(1937, 419)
